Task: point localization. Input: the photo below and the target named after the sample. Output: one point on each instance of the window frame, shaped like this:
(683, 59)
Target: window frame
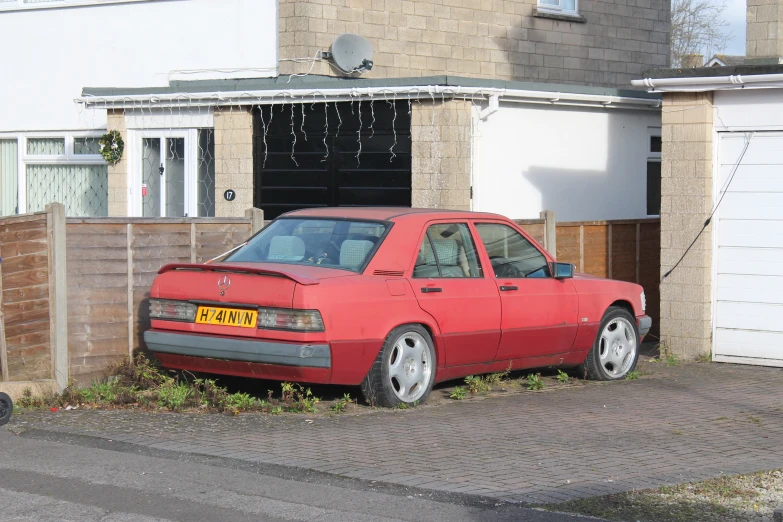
(513, 226)
(20, 5)
(652, 157)
(69, 158)
(480, 264)
(558, 9)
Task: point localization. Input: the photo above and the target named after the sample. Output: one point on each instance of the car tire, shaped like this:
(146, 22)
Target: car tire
(615, 350)
(6, 408)
(404, 371)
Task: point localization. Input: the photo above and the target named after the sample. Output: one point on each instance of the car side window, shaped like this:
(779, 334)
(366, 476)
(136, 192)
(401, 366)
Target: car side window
(510, 253)
(447, 250)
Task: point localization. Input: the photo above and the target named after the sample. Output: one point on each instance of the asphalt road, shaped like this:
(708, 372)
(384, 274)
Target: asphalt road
(49, 477)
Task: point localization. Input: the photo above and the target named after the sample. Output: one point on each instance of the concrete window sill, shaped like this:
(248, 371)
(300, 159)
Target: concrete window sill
(575, 18)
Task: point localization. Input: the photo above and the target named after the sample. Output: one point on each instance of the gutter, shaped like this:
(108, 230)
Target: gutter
(711, 83)
(304, 95)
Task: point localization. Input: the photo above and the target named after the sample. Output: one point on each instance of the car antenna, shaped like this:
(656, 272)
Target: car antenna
(226, 253)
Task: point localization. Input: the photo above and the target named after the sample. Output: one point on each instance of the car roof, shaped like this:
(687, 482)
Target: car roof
(389, 213)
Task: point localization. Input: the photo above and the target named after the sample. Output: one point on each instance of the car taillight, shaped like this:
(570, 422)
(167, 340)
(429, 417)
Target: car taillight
(172, 310)
(285, 319)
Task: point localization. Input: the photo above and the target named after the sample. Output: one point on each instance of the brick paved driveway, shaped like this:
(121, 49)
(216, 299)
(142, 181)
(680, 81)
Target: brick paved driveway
(687, 422)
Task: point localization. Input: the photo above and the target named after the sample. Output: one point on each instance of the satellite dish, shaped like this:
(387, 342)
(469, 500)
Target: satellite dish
(352, 53)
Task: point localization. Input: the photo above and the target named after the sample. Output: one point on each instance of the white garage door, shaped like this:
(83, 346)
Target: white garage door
(749, 258)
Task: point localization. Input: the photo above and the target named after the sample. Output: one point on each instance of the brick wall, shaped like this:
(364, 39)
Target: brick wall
(484, 38)
(233, 160)
(686, 201)
(764, 36)
(118, 174)
(441, 159)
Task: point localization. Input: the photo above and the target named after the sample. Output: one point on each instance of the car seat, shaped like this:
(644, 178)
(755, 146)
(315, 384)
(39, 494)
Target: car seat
(286, 248)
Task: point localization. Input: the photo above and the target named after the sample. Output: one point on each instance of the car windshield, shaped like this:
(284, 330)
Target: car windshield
(331, 243)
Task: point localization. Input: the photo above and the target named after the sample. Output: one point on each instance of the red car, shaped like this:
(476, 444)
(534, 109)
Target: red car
(394, 300)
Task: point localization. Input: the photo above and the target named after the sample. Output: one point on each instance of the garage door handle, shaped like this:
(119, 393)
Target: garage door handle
(508, 288)
(429, 289)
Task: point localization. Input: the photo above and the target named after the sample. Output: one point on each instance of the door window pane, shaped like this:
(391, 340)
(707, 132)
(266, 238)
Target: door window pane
(510, 253)
(83, 189)
(175, 177)
(447, 251)
(8, 177)
(150, 177)
(46, 146)
(205, 171)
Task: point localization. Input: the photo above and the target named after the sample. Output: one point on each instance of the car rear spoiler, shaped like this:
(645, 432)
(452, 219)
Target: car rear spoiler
(240, 269)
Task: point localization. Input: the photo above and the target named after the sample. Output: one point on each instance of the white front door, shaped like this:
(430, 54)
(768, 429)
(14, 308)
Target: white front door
(173, 175)
(748, 261)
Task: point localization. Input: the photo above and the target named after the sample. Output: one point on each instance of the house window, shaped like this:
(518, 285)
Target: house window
(14, 5)
(567, 7)
(9, 166)
(654, 147)
(67, 169)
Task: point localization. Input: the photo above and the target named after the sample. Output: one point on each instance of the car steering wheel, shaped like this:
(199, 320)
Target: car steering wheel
(504, 267)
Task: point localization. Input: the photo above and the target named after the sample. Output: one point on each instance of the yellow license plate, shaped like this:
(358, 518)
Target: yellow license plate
(227, 316)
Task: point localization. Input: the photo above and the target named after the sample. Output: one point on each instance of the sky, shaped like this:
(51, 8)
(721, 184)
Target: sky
(735, 15)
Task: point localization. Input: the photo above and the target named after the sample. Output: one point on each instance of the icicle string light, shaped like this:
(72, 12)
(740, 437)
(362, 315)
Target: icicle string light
(394, 129)
(326, 131)
(301, 127)
(359, 135)
(293, 133)
(372, 112)
(265, 130)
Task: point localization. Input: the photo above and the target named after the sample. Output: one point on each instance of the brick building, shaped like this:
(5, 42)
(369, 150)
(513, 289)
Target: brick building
(510, 106)
(722, 160)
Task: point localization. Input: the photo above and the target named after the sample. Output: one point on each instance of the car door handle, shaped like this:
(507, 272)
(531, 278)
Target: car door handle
(505, 288)
(430, 289)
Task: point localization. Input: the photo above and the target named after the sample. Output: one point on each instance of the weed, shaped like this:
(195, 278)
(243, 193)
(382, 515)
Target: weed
(402, 406)
(672, 360)
(677, 432)
(562, 376)
(340, 405)
(242, 402)
(704, 357)
(754, 420)
(458, 393)
(496, 379)
(476, 384)
(174, 395)
(534, 382)
(632, 375)
(276, 410)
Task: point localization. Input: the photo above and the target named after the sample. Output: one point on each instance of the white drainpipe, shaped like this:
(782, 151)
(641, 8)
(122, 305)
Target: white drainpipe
(712, 83)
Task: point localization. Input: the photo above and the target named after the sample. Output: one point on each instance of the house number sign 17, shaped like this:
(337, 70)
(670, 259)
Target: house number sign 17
(230, 195)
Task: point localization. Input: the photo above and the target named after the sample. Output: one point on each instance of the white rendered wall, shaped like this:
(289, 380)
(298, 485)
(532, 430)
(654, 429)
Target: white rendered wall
(582, 163)
(51, 54)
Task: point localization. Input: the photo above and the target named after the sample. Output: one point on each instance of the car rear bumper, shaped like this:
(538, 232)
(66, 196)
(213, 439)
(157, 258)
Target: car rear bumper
(645, 323)
(246, 351)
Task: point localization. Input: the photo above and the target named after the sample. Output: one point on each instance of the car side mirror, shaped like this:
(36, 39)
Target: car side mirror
(562, 270)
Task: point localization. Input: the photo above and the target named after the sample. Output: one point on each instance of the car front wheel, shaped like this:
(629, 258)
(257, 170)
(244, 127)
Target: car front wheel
(404, 371)
(615, 351)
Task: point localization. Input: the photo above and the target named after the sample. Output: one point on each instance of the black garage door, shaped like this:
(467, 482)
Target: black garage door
(309, 155)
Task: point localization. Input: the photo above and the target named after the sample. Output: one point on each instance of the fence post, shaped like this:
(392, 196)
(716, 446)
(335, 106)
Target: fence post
(256, 216)
(550, 231)
(58, 294)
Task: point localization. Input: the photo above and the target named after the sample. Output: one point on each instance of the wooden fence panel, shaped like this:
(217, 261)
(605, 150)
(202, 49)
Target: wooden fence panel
(536, 228)
(24, 298)
(97, 297)
(152, 246)
(627, 250)
(112, 263)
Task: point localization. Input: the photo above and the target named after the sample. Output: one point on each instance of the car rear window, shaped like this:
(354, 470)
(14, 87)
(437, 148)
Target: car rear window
(305, 241)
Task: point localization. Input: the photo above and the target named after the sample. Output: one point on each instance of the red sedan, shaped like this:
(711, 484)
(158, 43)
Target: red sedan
(393, 300)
